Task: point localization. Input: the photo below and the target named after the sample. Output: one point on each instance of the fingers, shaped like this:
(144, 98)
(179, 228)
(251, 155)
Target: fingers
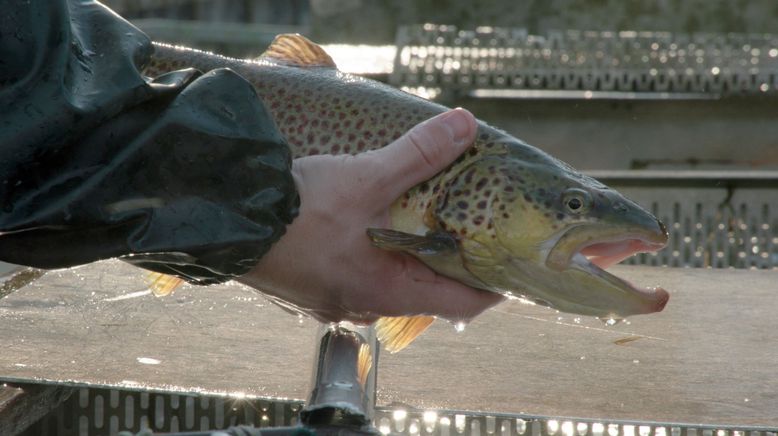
(429, 293)
(424, 151)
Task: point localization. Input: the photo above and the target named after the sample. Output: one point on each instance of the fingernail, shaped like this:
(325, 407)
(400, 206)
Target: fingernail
(457, 121)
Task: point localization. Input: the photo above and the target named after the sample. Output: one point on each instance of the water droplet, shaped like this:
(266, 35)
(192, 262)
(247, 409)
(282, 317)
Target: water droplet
(460, 326)
(610, 322)
(577, 320)
(583, 357)
(746, 400)
(399, 414)
(635, 361)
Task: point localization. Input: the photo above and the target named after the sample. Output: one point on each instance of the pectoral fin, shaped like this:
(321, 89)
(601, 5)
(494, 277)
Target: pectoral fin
(438, 250)
(162, 285)
(398, 332)
(431, 244)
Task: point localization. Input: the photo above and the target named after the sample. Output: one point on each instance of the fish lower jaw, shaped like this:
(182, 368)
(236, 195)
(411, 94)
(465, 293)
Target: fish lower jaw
(654, 298)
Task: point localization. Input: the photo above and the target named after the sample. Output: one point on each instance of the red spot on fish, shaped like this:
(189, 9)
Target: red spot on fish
(361, 145)
(313, 152)
(367, 134)
(310, 138)
(341, 115)
(338, 133)
(352, 137)
(335, 148)
(315, 123)
(275, 104)
(359, 123)
(325, 139)
(381, 133)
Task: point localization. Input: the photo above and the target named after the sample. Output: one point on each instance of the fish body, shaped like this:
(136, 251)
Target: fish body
(504, 217)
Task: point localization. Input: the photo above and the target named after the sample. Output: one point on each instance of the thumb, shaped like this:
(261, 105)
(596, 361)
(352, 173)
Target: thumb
(425, 150)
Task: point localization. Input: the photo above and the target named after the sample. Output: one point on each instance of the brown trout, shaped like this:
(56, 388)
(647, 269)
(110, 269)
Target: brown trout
(505, 217)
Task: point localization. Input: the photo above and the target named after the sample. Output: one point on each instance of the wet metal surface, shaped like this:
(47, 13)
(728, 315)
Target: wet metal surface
(706, 358)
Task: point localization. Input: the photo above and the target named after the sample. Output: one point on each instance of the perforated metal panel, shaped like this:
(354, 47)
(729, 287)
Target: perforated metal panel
(447, 423)
(106, 412)
(93, 411)
(676, 65)
(716, 222)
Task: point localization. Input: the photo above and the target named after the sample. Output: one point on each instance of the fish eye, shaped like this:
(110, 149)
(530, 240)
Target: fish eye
(577, 200)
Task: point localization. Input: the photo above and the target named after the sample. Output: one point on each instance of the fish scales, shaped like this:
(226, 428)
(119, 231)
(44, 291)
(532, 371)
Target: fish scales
(326, 111)
(504, 217)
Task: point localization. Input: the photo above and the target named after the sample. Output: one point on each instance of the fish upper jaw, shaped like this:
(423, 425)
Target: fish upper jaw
(605, 245)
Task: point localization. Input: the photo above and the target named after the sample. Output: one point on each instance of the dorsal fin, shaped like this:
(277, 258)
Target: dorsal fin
(397, 332)
(296, 50)
(162, 285)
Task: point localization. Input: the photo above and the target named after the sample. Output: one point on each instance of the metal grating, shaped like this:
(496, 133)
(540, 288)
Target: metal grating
(714, 222)
(690, 65)
(94, 411)
(448, 423)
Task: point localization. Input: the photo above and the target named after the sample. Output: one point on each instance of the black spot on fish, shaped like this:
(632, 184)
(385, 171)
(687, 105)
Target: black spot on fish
(481, 183)
(560, 216)
(461, 216)
(473, 151)
(482, 204)
(469, 176)
(527, 198)
(484, 136)
(424, 187)
(478, 220)
(509, 189)
(462, 204)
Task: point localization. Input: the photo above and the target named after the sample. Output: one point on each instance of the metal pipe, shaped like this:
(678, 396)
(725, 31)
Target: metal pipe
(344, 385)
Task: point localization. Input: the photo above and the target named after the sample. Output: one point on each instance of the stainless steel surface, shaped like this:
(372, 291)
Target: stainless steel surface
(705, 358)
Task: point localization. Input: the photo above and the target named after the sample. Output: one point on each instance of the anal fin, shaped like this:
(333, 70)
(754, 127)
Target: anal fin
(162, 285)
(397, 332)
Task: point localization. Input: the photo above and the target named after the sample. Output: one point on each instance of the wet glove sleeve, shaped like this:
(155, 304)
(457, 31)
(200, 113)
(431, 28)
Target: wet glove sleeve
(185, 175)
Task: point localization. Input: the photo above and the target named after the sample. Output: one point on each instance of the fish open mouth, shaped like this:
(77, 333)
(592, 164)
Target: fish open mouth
(583, 249)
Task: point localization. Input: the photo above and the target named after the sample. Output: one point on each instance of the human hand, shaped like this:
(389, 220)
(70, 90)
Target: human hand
(325, 264)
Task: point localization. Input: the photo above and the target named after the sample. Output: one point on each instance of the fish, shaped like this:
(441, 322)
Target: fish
(504, 217)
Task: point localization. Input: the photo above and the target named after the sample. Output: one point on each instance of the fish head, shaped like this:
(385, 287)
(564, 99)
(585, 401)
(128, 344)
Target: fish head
(536, 228)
